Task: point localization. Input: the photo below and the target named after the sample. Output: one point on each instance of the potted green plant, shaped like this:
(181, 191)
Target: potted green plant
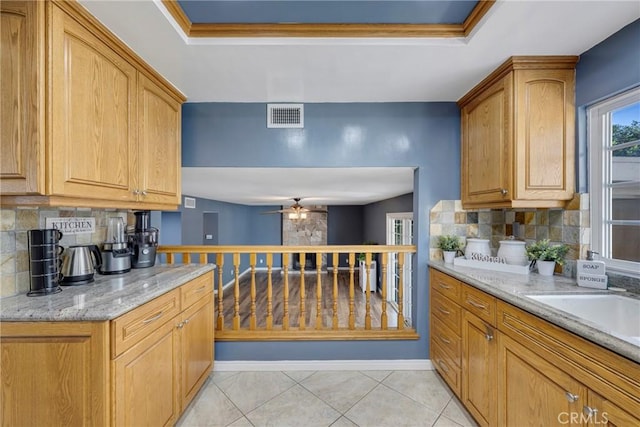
(545, 255)
(450, 246)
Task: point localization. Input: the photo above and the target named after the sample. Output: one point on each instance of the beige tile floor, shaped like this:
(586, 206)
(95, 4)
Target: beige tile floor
(325, 398)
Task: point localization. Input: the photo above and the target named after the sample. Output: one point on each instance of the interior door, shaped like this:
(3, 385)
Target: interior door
(400, 232)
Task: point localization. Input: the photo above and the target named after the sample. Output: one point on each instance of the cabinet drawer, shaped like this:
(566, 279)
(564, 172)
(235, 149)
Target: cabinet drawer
(445, 366)
(128, 329)
(446, 285)
(479, 303)
(446, 338)
(196, 289)
(447, 311)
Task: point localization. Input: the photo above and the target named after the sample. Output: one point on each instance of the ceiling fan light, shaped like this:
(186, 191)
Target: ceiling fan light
(303, 215)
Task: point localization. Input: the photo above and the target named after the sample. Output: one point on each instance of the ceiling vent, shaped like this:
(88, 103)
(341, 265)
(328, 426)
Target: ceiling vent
(285, 115)
(189, 202)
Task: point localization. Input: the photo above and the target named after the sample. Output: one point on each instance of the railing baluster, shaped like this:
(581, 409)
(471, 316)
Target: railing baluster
(236, 291)
(170, 258)
(252, 311)
(336, 256)
(383, 272)
(400, 290)
(285, 291)
(203, 258)
(318, 291)
(220, 265)
(269, 292)
(186, 258)
(303, 311)
(352, 316)
(367, 293)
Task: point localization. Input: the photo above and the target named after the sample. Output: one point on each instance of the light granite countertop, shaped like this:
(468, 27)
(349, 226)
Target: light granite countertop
(108, 297)
(514, 288)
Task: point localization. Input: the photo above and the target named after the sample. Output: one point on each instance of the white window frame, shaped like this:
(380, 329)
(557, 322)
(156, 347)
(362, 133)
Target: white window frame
(408, 265)
(598, 140)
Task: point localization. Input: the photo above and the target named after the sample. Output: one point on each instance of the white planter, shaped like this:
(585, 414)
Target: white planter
(372, 276)
(449, 256)
(545, 268)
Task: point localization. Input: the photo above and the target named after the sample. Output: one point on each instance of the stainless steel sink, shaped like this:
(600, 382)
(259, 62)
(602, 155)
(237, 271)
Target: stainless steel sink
(616, 314)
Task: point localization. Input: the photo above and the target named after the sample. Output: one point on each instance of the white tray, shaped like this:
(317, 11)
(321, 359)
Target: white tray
(495, 266)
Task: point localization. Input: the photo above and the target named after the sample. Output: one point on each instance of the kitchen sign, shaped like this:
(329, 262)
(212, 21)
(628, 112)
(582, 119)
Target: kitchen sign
(72, 225)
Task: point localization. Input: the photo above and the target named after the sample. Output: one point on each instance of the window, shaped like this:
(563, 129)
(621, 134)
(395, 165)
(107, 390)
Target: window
(614, 181)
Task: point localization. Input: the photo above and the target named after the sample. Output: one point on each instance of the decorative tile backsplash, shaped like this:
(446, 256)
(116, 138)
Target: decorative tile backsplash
(14, 246)
(569, 225)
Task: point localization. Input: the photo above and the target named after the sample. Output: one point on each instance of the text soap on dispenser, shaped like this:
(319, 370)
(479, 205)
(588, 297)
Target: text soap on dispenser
(591, 274)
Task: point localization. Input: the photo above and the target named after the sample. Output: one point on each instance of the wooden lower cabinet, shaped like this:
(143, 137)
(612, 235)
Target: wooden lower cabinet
(85, 374)
(479, 366)
(533, 391)
(517, 369)
(146, 379)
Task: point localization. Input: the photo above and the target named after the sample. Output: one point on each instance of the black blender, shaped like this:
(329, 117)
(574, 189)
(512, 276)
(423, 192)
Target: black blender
(143, 241)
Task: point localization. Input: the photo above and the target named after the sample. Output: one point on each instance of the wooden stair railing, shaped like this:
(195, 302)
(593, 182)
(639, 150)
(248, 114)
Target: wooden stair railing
(317, 329)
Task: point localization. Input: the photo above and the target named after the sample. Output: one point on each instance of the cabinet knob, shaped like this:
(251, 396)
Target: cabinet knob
(136, 191)
(589, 411)
(489, 337)
(570, 396)
(180, 325)
(504, 191)
(143, 192)
(489, 334)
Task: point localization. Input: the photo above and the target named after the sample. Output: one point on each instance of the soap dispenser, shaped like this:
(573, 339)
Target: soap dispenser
(591, 274)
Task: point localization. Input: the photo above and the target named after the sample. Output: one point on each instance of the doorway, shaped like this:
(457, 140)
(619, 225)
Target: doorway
(400, 232)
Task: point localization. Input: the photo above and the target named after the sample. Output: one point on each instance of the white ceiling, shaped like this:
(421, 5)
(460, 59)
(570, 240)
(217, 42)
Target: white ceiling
(346, 70)
(316, 186)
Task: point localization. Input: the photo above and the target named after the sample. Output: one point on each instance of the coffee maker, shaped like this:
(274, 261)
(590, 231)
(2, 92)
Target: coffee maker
(143, 241)
(116, 255)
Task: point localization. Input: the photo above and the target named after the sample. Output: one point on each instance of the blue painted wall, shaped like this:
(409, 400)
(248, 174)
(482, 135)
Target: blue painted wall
(345, 225)
(425, 136)
(375, 216)
(610, 67)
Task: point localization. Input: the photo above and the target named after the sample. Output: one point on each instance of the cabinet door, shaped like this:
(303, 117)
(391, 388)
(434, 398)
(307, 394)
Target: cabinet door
(54, 374)
(487, 145)
(197, 347)
(545, 134)
(479, 366)
(532, 391)
(146, 380)
(93, 95)
(21, 103)
(159, 144)
(603, 412)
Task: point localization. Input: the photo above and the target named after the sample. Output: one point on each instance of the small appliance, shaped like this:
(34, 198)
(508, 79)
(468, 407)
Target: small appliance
(143, 241)
(44, 261)
(79, 264)
(116, 254)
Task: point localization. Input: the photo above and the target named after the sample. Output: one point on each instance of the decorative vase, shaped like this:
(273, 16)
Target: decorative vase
(545, 268)
(479, 246)
(513, 252)
(449, 256)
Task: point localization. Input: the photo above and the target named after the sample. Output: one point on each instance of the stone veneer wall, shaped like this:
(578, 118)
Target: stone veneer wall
(14, 246)
(309, 231)
(569, 225)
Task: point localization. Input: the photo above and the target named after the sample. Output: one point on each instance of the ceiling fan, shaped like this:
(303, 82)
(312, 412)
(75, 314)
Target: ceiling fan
(296, 210)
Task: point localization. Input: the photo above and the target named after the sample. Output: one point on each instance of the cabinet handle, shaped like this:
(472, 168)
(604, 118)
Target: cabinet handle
(589, 411)
(443, 366)
(443, 286)
(143, 192)
(151, 319)
(442, 310)
(199, 289)
(571, 397)
(444, 340)
(489, 336)
(186, 321)
(476, 305)
(136, 191)
(180, 325)
(504, 191)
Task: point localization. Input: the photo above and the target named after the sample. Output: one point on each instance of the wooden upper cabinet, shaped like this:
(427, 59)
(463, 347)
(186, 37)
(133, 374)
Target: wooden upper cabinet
(159, 133)
(109, 132)
(22, 100)
(93, 115)
(518, 138)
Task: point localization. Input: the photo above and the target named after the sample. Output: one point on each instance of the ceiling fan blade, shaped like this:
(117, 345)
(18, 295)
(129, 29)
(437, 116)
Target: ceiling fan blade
(274, 212)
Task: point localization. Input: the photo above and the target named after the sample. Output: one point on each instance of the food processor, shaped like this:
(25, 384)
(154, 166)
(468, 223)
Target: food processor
(143, 241)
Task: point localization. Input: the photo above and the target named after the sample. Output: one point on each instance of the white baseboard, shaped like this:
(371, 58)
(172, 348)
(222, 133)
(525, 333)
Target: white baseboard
(324, 365)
